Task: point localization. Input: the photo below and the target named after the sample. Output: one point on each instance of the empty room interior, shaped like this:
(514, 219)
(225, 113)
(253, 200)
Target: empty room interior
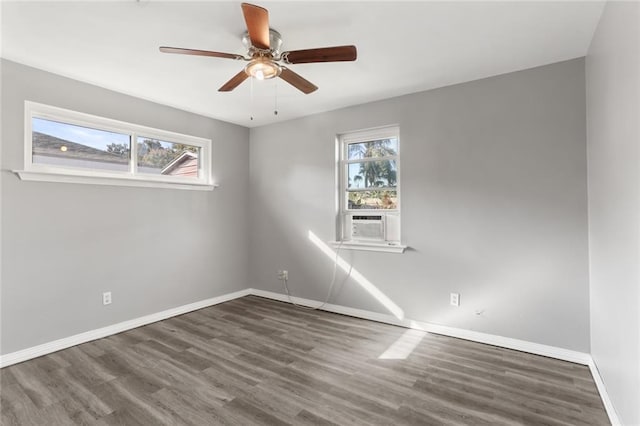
(320, 213)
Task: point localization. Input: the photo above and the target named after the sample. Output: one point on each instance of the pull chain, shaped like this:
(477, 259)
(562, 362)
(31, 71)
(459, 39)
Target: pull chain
(251, 90)
(275, 108)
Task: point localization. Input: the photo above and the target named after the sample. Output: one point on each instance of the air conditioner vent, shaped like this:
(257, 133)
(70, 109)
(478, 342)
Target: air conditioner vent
(369, 227)
(367, 217)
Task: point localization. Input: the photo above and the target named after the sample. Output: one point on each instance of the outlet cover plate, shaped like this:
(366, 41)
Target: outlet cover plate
(454, 299)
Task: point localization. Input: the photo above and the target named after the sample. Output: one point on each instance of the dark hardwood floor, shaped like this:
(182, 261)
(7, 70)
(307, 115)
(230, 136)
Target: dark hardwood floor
(256, 361)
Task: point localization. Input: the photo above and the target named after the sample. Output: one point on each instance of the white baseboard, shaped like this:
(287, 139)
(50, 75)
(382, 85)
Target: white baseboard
(491, 339)
(604, 395)
(67, 342)
(505, 342)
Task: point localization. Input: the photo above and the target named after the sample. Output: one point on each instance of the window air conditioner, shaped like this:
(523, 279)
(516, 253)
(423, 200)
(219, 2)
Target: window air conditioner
(369, 228)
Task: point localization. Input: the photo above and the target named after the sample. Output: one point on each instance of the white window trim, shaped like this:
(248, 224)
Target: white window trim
(342, 141)
(365, 136)
(50, 173)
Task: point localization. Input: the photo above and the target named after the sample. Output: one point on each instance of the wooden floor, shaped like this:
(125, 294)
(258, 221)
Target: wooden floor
(256, 361)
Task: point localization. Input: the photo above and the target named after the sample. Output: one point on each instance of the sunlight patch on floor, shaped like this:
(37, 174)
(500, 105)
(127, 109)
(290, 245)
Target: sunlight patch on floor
(404, 346)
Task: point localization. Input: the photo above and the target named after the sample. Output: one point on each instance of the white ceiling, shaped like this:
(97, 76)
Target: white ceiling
(402, 48)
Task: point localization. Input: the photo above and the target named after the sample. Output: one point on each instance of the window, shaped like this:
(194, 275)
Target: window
(369, 188)
(68, 146)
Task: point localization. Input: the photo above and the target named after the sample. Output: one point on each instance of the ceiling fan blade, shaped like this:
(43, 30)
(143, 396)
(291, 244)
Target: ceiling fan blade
(323, 54)
(234, 82)
(297, 81)
(257, 20)
(182, 51)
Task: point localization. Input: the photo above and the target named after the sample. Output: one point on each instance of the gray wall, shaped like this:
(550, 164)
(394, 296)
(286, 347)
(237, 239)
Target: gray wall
(64, 244)
(613, 112)
(494, 206)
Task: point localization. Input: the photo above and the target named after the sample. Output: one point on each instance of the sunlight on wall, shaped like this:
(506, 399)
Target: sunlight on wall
(404, 346)
(357, 277)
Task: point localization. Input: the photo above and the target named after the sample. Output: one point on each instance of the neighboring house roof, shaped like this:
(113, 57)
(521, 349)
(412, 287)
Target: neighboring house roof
(50, 146)
(186, 164)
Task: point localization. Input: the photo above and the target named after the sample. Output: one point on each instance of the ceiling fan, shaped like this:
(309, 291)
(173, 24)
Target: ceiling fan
(264, 56)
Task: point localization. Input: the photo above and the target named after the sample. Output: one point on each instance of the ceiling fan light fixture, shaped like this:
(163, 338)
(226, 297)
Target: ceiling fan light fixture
(262, 69)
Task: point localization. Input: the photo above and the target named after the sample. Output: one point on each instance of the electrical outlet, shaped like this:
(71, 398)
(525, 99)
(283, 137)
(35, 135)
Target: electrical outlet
(106, 298)
(283, 275)
(454, 299)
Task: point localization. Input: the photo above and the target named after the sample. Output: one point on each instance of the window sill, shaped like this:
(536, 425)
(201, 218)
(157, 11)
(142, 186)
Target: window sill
(40, 176)
(360, 245)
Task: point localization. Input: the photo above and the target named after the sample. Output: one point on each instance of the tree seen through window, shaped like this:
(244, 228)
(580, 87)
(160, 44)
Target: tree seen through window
(371, 182)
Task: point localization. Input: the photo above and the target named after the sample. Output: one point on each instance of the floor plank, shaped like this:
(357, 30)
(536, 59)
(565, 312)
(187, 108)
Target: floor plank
(256, 361)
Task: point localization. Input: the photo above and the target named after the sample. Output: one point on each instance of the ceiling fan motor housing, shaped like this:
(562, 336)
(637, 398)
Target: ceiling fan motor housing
(275, 42)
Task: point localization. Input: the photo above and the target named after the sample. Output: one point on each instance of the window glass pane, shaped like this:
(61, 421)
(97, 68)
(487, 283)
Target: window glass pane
(372, 149)
(67, 145)
(380, 199)
(167, 158)
(372, 174)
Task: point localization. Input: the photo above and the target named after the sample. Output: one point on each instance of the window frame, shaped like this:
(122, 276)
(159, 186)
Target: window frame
(368, 136)
(343, 140)
(131, 177)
